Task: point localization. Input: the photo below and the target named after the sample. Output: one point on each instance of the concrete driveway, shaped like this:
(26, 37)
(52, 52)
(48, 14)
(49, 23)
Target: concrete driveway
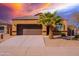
(33, 45)
(24, 41)
(19, 44)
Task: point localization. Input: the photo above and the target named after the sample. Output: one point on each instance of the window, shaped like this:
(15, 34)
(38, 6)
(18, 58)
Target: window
(59, 27)
(2, 29)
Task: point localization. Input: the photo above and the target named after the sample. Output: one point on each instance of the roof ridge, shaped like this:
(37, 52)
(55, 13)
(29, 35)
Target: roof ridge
(27, 17)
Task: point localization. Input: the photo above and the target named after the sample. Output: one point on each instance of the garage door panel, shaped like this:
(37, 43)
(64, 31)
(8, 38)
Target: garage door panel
(32, 31)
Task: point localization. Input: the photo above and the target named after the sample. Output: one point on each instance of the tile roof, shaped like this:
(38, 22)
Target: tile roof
(3, 22)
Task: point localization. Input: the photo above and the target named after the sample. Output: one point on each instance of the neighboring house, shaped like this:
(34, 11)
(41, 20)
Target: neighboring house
(28, 25)
(4, 29)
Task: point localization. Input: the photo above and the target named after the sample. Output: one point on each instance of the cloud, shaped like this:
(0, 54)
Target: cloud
(8, 11)
(5, 12)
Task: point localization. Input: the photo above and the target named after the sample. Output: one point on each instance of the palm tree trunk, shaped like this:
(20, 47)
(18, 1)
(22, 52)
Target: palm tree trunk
(47, 30)
(51, 32)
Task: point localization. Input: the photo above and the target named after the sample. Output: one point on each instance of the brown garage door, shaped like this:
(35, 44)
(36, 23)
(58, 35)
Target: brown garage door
(32, 31)
(29, 29)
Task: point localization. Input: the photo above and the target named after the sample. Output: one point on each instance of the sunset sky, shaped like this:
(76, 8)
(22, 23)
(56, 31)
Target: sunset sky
(8, 11)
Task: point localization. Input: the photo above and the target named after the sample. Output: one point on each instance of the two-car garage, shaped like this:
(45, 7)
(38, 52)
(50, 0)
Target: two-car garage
(29, 29)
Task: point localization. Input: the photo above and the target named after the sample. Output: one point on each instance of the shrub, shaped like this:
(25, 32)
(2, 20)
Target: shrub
(63, 34)
(76, 37)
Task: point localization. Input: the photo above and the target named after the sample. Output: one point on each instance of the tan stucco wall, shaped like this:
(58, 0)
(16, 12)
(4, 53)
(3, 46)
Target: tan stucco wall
(25, 21)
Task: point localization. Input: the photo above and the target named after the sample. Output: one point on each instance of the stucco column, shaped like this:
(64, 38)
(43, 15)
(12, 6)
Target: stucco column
(65, 26)
(10, 29)
(43, 30)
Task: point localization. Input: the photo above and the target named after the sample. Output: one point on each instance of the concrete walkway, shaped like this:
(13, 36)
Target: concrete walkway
(33, 45)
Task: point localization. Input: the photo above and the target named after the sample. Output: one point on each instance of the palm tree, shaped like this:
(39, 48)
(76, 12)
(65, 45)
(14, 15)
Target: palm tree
(49, 19)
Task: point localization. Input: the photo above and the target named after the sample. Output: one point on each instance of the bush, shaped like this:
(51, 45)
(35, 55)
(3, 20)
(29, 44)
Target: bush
(76, 37)
(63, 34)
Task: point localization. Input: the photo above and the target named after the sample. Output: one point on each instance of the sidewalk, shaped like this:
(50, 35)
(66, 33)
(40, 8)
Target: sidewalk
(45, 51)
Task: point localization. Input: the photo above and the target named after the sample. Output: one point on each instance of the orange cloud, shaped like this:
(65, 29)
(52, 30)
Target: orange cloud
(24, 12)
(14, 6)
(20, 10)
(43, 6)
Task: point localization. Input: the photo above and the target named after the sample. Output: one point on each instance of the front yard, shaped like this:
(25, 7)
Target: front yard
(60, 42)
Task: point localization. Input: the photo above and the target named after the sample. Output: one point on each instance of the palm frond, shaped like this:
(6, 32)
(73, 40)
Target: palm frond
(49, 18)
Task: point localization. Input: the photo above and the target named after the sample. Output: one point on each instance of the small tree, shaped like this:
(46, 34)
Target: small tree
(49, 19)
